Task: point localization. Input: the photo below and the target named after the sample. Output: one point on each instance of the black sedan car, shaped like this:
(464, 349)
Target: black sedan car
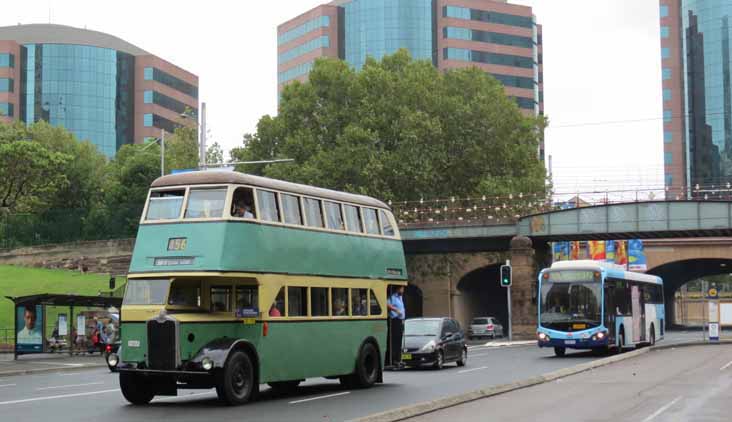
(433, 342)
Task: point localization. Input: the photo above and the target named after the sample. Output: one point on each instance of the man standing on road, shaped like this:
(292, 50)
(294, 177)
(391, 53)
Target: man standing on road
(395, 331)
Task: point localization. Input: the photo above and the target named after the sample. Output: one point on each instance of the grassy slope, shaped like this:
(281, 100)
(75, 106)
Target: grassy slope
(21, 281)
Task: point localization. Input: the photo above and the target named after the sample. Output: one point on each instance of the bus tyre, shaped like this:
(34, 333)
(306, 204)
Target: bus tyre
(621, 340)
(284, 387)
(235, 382)
(653, 336)
(560, 351)
(367, 368)
(135, 389)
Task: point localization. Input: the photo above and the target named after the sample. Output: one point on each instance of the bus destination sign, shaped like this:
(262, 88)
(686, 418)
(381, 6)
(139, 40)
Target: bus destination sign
(573, 276)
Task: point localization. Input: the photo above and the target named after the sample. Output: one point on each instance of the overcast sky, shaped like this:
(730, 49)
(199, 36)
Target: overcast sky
(601, 71)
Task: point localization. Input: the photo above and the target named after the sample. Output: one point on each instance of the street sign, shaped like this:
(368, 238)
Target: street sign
(713, 320)
(712, 293)
(506, 276)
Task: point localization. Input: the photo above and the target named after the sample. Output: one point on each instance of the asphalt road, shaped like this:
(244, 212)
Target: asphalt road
(681, 384)
(93, 395)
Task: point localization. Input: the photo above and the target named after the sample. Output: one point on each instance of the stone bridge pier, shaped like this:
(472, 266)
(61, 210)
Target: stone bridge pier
(465, 285)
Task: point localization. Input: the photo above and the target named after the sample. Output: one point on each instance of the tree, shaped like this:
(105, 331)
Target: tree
(214, 154)
(181, 149)
(400, 129)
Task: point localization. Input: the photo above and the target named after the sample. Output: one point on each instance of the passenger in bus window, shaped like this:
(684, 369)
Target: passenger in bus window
(243, 203)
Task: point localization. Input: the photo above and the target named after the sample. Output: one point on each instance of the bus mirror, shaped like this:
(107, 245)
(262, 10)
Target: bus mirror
(112, 281)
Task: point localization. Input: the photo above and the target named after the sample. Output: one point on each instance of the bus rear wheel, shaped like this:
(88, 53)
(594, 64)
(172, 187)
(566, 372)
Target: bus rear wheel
(653, 336)
(367, 370)
(135, 389)
(560, 351)
(235, 382)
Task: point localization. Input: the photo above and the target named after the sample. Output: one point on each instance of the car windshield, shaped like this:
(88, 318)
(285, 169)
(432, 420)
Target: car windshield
(146, 292)
(422, 327)
(480, 321)
(568, 306)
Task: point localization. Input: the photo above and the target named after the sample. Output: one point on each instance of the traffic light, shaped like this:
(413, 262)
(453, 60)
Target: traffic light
(505, 276)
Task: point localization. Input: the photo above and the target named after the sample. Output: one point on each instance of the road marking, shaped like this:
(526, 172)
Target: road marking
(207, 393)
(473, 369)
(480, 354)
(8, 385)
(63, 396)
(726, 366)
(661, 410)
(69, 385)
(68, 374)
(74, 365)
(321, 397)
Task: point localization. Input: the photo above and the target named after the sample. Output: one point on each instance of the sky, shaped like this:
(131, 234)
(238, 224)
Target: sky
(602, 72)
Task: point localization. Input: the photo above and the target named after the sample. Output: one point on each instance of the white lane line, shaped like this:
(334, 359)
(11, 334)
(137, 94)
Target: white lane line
(726, 366)
(68, 374)
(74, 365)
(63, 396)
(321, 397)
(471, 370)
(69, 386)
(207, 393)
(8, 385)
(661, 410)
(480, 354)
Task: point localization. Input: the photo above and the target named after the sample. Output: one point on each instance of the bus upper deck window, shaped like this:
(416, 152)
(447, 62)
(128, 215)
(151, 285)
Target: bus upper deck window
(313, 212)
(386, 226)
(334, 215)
(291, 209)
(370, 221)
(206, 203)
(353, 219)
(242, 205)
(268, 210)
(165, 205)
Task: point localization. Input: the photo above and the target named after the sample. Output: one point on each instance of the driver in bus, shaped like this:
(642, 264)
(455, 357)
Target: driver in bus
(242, 209)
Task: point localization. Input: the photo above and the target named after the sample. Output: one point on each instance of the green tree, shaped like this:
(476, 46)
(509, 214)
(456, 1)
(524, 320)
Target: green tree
(214, 154)
(400, 129)
(181, 149)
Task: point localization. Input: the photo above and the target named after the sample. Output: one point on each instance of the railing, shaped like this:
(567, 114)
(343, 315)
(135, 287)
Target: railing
(7, 340)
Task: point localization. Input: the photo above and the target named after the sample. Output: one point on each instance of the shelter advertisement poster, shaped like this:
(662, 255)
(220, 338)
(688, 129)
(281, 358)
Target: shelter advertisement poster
(621, 253)
(29, 329)
(636, 256)
(610, 251)
(597, 250)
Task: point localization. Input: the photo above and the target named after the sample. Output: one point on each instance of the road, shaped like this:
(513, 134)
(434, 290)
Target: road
(93, 394)
(682, 384)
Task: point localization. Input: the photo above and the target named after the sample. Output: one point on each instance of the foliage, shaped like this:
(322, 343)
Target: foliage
(400, 129)
(214, 154)
(181, 149)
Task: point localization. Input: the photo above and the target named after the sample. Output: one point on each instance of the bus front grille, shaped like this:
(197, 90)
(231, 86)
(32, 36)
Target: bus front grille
(161, 344)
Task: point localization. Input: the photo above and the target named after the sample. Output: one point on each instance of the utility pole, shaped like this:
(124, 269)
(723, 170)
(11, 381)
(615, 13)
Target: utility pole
(162, 152)
(202, 140)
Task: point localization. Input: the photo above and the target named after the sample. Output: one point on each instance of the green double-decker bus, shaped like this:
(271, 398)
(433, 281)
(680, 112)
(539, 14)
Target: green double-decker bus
(238, 280)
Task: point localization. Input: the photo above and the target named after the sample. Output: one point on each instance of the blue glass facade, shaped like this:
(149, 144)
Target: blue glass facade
(314, 44)
(7, 110)
(706, 37)
(88, 90)
(297, 32)
(7, 60)
(377, 28)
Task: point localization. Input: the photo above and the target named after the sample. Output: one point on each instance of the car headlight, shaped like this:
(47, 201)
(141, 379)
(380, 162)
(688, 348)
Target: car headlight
(429, 347)
(207, 364)
(112, 359)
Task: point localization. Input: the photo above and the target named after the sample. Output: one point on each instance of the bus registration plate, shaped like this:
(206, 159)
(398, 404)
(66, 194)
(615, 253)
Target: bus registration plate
(406, 356)
(250, 321)
(570, 341)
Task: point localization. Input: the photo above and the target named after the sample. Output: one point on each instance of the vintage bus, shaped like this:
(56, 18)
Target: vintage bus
(238, 280)
(597, 306)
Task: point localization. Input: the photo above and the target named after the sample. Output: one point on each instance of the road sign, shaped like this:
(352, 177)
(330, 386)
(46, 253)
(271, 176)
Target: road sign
(712, 293)
(505, 276)
(713, 320)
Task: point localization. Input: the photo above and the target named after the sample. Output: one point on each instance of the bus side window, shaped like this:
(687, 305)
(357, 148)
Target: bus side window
(375, 307)
(291, 209)
(277, 309)
(386, 226)
(358, 302)
(242, 204)
(334, 216)
(247, 300)
(370, 220)
(319, 299)
(220, 299)
(353, 219)
(268, 209)
(313, 212)
(297, 301)
(340, 302)
(185, 293)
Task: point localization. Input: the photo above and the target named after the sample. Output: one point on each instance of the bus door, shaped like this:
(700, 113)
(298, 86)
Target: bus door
(639, 314)
(609, 309)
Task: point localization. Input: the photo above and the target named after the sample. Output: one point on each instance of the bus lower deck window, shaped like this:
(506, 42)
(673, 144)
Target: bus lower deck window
(375, 307)
(319, 298)
(358, 302)
(277, 309)
(340, 302)
(297, 301)
(221, 299)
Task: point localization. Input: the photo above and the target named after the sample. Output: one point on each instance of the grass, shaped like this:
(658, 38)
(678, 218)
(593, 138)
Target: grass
(22, 281)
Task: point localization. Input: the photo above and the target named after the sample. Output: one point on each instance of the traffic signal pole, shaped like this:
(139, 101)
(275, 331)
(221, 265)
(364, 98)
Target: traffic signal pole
(507, 284)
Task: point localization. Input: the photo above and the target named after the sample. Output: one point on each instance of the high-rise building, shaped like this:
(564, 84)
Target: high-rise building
(101, 88)
(697, 93)
(501, 38)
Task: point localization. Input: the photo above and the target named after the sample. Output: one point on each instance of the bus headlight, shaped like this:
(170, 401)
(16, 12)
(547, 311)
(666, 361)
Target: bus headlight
(207, 364)
(112, 359)
(601, 335)
(543, 337)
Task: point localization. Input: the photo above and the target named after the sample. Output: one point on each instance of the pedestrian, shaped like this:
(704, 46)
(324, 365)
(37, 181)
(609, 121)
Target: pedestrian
(395, 329)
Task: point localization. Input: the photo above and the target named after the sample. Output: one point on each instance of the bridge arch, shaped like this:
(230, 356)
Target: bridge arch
(479, 294)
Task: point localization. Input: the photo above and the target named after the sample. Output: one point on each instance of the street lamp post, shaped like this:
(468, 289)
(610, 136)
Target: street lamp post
(162, 152)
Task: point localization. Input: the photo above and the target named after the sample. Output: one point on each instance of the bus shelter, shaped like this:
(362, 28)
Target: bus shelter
(34, 314)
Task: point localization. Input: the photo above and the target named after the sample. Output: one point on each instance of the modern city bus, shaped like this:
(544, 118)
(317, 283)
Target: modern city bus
(597, 306)
(238, 280)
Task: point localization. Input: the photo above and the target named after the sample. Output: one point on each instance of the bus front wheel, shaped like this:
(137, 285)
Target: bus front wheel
(560, 351)
(235, 382)
(367, 368)
(135, 389)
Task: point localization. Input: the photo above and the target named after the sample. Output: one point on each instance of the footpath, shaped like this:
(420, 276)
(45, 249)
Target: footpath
(47, 362)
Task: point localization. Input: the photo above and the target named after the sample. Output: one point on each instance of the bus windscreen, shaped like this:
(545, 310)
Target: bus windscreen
(570, 301)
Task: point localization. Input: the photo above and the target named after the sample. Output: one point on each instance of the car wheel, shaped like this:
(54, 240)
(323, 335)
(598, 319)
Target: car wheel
(367, 368)
(440, 362)
(560, 351)
(463, 358)
(284, 387)
(235, 382)
(135, 389)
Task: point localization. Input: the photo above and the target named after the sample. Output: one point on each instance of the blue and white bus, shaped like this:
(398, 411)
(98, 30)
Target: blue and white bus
(597, 306)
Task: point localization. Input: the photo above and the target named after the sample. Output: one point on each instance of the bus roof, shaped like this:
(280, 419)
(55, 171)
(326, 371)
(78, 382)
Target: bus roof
(232, 177)
(613, 270)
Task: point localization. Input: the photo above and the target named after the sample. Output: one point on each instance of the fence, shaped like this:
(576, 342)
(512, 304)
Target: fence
(7, 340)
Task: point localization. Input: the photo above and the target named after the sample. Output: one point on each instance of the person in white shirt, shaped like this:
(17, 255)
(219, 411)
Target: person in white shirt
(30, 334)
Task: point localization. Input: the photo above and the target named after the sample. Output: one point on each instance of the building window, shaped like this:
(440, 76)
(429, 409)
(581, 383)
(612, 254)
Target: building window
(489, 58)
(154, 97)
(666, 95)
(664, 11)
(664, 31)
(6, 85)
(665, 53)
(7, 60)
(299, 31)
(294, 72)
(148, 97)
(7, 109)
(668, 158)
(666, 72)
(667, 116)
(515, 81)
(487, 16)
(148, 73)
(667, 137)
(147, 120)
(157, 75)
(317, 43)
(487, 37)
(669, 179)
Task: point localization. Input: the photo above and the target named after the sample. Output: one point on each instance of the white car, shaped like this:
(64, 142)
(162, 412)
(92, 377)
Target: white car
(485, 327)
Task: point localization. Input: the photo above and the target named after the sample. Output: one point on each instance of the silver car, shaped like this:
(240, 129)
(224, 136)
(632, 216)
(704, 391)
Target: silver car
(485, 327)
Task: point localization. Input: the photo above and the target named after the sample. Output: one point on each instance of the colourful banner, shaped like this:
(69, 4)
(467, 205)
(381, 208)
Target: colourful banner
(597, 250)
(636, 256)
(621, 252)
(561, 251)
(610, 251)
(574, 250)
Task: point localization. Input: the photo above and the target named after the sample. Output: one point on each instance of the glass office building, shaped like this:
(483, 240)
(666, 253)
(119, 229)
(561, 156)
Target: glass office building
(91, 83)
